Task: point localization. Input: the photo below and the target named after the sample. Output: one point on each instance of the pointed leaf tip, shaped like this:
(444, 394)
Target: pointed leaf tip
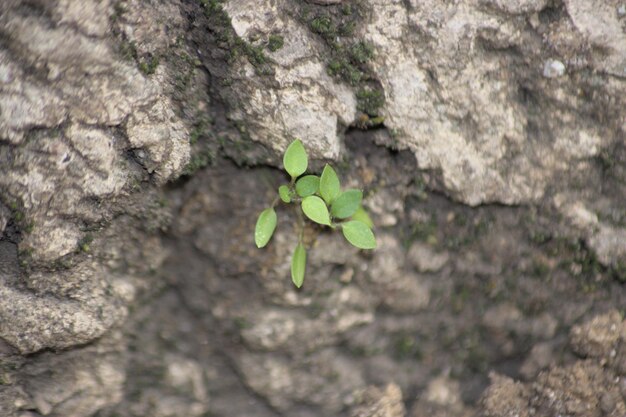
(295, 159)
(330, 186)
(362, 215)
(298, 265)
(359, 235)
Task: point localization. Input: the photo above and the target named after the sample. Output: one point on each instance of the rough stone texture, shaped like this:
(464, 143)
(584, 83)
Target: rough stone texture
(77, 110)
(374, 402)
(81, 131)
(499, 100)
(304, 100)
(129, 281)
(442, 398)
(505, 397)
(455, 96)
(587, 387)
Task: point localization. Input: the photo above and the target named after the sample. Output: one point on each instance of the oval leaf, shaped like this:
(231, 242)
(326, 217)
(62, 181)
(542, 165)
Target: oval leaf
(316, 210)
(295, 159)
(307, 185)
(265, 226)
(358, 234)
(330, 187)
(283, 192)
(346, 204)
(362, 215)
(298, 265)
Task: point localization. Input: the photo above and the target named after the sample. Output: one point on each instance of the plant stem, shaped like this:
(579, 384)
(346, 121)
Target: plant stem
(300, 225)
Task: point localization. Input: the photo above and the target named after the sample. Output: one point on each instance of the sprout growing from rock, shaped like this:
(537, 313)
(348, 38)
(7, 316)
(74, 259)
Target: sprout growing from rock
(321, 200)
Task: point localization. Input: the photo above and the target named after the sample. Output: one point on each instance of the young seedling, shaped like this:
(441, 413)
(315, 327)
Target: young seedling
(322, 201)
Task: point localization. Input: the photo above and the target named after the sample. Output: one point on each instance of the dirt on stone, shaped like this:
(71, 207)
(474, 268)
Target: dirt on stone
(139, 140)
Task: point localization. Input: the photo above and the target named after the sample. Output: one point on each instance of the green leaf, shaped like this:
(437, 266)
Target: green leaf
(346, 204)
(307, 185)
(298, 265)
(265, 226)
(329, 184)
(316, 210)
(295, 159)
(361, 215)
(283, 192)
(358, 234)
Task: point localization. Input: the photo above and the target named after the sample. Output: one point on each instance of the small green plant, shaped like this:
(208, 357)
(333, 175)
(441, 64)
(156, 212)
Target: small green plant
(322, 201)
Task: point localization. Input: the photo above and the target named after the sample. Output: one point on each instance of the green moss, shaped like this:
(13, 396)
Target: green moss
(347, 63)
(118, 11)
(459, 298)
(195, 134)
(203, 144)
(348, 57)
(361, 52)
(220, 24)
(25, 256)
(85, 242)
(255, 54)
(149, 67)
(18, 216)
(128, 50)
(198, 161)
(467, 232)
(540, 268)
(423, 232)
(275, 42)
(619, 271)
(369, 101)
(345, 70)
(605, 160)
(539, 237)
(242, 323)
(324, 26)
(62, 264)
(406, 347)
(185, 75)
(29, 227)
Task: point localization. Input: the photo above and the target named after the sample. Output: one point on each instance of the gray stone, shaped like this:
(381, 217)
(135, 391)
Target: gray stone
(306, 101)
(553, 68)
(377, 402)
(425, 259)
(128, 292)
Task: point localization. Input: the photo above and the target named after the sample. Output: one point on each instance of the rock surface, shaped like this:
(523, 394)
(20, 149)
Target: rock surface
(139, 140)
(591, 386)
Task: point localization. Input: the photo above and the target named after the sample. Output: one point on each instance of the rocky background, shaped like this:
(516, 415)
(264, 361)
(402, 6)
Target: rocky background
(139, 139)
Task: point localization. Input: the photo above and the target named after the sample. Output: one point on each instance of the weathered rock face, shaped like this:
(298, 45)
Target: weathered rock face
(501, 101)
(126, 289)
(81, 130)
(592, 386)
(467, 87)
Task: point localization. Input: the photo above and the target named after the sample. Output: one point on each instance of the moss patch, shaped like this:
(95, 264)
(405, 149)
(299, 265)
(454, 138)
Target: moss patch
(348, 55)
(275, 42)
(220, 24)
(369, 100)
(202, 150)
(148, 66)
